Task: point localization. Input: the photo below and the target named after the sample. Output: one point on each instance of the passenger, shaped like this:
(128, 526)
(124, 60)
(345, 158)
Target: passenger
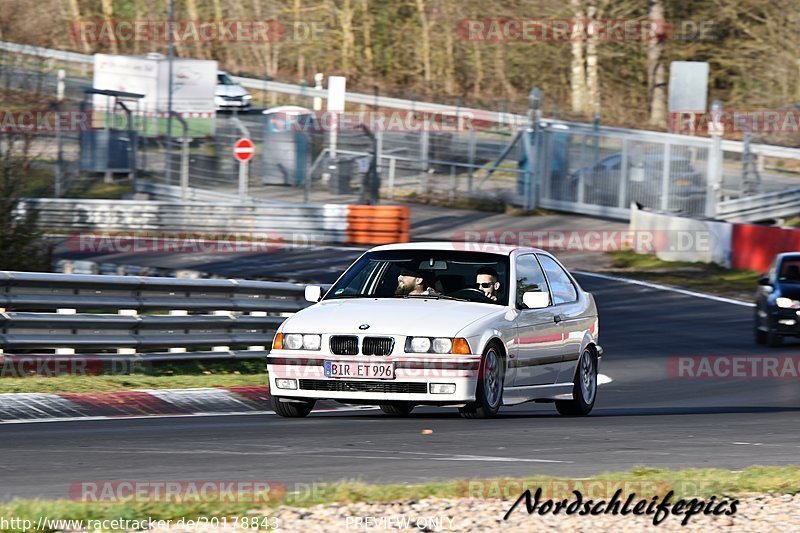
(487, 282)
(414, 282)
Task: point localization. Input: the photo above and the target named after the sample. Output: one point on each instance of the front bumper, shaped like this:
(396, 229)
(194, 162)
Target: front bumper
(784, 321)
(412, 381)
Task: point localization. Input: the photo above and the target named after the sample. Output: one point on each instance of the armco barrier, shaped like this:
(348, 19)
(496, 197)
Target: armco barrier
(679, 238)
(755, 246)
(118, 316)
(282, 223)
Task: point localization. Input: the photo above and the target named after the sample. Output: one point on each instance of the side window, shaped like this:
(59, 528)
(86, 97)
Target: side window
(790, 270)
(529, 276)
(562, 287)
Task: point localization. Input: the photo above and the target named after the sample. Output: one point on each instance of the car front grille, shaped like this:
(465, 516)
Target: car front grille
(377, 345)
(339, 385)
(344, 345)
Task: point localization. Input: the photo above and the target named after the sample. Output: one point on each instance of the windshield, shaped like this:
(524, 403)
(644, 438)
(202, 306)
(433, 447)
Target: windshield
(224, 79)
(469, 276)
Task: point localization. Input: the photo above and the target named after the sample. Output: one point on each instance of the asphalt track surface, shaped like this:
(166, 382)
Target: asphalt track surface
(644, 417)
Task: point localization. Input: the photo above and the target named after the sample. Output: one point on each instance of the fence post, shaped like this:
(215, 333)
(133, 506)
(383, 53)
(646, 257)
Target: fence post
(665, 168)
(472, 146)
(623, 175)
(185, 168)
(714, 178)
(392, 170)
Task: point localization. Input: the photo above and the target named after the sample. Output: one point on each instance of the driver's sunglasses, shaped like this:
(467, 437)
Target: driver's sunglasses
(484, 285)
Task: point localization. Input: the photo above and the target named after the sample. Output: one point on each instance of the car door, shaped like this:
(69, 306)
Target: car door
(538, 337)
(568, 313)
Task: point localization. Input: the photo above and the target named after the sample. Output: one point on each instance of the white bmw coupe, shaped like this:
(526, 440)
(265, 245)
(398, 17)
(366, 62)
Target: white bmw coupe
(441, 324)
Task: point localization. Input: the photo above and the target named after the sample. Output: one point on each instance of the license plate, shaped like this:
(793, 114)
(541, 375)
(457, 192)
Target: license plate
(352, 369)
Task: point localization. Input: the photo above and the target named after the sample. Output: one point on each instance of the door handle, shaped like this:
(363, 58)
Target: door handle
(558, 318)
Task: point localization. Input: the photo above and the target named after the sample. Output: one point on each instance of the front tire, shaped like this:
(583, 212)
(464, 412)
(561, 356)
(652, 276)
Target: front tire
(292, 409)
(397, 408)
(760, 336)
(584, 390)
(489, 392)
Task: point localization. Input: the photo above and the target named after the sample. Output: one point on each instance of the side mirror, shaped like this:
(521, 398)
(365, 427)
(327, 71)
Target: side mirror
(536, 299)
(764, 280)
(313, 293)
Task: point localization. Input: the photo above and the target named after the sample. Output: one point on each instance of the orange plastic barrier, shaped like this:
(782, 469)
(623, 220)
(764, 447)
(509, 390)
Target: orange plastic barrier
(378, 224)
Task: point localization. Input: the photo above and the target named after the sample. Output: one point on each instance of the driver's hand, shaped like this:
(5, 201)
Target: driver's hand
(430, 291)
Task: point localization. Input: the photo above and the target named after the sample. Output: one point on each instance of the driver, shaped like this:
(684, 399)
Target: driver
(412, 281)
(486, 282)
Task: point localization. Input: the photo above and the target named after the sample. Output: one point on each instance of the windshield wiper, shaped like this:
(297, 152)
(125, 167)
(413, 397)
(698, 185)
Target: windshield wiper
(436, 296)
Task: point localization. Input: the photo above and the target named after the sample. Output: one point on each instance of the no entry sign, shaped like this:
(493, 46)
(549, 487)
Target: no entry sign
(243, 150)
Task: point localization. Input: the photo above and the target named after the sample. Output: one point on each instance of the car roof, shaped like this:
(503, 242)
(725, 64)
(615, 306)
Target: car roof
(491, 248)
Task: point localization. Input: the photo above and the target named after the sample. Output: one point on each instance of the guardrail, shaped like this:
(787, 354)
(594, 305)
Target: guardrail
(760, 207)
(270, 224)
(160, 191)
(215, 319)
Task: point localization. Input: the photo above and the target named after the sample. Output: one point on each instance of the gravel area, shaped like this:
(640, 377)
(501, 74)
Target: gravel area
(755, 512)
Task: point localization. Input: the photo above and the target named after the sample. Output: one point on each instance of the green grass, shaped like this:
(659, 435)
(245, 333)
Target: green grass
(107, 191)
(180, 375)
(645, 482)
(706, 277)
(61, 384)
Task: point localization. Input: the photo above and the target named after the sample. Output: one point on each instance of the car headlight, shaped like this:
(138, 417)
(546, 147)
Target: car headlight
(418, 345)
(247, 97)
(787, 303)
(439, 345)
(442, 345)
(296, 341)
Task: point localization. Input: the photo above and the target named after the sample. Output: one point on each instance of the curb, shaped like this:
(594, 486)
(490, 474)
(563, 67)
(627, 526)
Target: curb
(133, 403)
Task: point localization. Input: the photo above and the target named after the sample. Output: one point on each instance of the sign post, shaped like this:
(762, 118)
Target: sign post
(243, 151)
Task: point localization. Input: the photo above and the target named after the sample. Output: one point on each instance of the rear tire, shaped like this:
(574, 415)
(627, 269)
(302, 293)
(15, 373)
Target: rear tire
(774, 340)
(292, 409)
(397, 408)
(489, 391)
(584, 390)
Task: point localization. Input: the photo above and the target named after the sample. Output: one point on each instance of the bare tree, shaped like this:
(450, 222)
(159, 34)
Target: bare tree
(578, 61)
(656, 71)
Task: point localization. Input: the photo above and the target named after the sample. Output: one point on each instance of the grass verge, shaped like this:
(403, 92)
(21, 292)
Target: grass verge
(183, 375)
(645, 482)
(705, 277)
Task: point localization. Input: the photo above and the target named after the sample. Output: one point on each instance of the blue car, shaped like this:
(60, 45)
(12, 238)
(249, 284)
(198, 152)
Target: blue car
(778, 301)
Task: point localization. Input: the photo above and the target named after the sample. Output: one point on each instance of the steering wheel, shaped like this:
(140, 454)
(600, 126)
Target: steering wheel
(472, 294)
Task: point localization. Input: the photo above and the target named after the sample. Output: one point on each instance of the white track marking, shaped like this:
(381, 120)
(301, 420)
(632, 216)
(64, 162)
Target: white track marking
(188, 415)
(602, 379)
(665, 288)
